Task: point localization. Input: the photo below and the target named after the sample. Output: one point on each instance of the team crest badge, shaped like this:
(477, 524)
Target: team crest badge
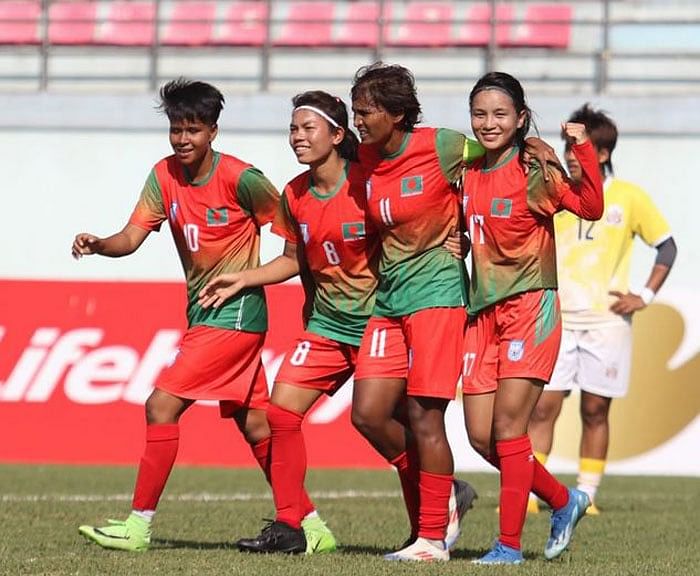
(217, 216)
(516, 350)
(614, 215)
(353, 231)
(501, 207)
(412, 186)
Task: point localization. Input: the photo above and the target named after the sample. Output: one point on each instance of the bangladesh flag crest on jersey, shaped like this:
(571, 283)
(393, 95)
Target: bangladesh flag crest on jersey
(411, 185)
(353, 231)
(217, 216)
(501, 207)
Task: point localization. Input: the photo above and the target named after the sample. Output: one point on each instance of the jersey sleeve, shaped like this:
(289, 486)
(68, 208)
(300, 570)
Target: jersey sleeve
(450, 150)
(560, 193)
(647, 221)
(472, 150)
(284, 224)
(257, 196)
(149, 212)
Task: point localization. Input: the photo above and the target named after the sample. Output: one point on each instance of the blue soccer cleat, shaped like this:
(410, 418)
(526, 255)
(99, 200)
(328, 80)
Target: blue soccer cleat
(501, 554)
(564, 521)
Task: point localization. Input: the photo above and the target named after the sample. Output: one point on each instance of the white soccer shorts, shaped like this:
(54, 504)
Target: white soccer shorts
(597, 361)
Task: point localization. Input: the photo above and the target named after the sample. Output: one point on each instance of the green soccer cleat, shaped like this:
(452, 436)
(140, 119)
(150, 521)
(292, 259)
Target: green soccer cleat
(133, 534)
(319, 539)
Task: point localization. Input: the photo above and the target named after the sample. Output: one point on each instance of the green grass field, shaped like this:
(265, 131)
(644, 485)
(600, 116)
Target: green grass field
(648, 525)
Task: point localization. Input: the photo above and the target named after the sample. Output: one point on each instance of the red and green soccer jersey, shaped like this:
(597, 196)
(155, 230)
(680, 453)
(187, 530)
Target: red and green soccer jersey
(340, 250)
(215, 223)
(413, 200)
(510, 220)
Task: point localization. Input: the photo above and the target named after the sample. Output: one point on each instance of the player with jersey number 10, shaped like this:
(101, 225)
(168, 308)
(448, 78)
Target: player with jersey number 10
(215, 205)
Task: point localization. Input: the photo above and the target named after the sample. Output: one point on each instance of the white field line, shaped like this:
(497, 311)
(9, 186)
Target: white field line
(197, 497)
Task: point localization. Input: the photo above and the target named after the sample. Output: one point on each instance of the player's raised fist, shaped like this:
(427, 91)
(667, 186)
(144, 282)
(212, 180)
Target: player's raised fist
(574, 133)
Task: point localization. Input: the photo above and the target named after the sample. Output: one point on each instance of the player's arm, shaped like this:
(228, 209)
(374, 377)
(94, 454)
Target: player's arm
(585, 200)
(538, 150)
(629, 303)
(122, 243)
(224, 286)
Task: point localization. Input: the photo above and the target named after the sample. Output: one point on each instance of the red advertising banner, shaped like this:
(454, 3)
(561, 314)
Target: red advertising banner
(78, 360)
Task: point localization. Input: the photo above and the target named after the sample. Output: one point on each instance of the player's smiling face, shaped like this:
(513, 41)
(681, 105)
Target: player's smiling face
(191, 141)
(495, 121)
(312, 138)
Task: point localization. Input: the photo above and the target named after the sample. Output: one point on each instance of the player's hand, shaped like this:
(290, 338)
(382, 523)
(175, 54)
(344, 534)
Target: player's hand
(85, 244)
(574, 132)
(542, 152)
(457, 244)
(220, 288)
(626, 304)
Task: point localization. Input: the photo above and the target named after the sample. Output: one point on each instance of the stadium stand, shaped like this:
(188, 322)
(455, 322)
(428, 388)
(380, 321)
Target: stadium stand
(245, 24)
(72, 23)
(128, 23)
(425, 24)
(19, 22)
(190, 24)
(361, 24)
(307, 24)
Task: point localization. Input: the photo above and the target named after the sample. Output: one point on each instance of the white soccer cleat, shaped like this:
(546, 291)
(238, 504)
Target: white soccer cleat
(461, 500)
(421, 550)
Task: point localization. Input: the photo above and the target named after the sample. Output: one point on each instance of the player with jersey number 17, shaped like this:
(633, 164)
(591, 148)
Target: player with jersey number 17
(514, 329)
(215, 205)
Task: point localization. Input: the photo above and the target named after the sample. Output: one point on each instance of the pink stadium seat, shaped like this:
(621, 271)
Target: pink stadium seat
(245, 24)
(535, 31)
(426, 24)
(128, 24)
(72, 22)
(476, 29)
(191, 24)
(19, 22)
(360, 25)
(307, 24)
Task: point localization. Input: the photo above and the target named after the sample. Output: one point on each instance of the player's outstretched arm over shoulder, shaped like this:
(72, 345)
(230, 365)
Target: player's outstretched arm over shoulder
(122, 243)
(224, 286)
(587, 201)
(538, 150)
(457, 244)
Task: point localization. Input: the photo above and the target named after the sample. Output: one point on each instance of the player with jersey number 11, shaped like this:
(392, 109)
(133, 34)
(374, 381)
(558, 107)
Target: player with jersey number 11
(514, 329)
(215, 205)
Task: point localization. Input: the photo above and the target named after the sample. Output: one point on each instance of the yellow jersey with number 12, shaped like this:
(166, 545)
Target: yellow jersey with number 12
(593, 258)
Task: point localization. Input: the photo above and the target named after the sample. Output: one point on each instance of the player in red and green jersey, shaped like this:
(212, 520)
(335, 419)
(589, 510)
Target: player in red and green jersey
(321, 217)
(514, 331)
(411, 350)
(215, 205)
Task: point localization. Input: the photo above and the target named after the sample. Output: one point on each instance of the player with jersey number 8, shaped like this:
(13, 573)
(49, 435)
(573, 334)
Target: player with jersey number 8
(514, 329)
(215, 205)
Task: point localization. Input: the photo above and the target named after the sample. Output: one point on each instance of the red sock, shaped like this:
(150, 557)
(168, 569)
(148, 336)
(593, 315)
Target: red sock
(155, 466)
(548, 489)
(435, 492)
(545, 486)
(261, 451)
(517, 471)
(408, 467)
(287, 463)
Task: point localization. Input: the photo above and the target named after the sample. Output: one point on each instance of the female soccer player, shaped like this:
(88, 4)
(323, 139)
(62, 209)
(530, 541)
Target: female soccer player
(514, 330)
(412, 347)
(215, 205)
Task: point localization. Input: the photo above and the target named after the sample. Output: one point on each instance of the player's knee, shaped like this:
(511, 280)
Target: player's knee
(364, 421)
(543, 414)
(256, 427)
(158, 412)
(594, 416)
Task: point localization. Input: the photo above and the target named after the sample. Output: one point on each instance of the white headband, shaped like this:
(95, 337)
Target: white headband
(321, 113)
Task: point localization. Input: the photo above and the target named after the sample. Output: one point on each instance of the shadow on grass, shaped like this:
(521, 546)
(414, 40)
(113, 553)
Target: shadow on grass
(170, 544)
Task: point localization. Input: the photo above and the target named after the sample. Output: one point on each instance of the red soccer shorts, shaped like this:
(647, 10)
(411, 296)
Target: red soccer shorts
(318, 363)
(425, 348)
(518, 337)
(218, 364)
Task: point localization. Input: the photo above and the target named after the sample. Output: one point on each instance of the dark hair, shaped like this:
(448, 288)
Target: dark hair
(190, 100)
(392, 87)
(601, 130)
(336, 109)
(512, 87)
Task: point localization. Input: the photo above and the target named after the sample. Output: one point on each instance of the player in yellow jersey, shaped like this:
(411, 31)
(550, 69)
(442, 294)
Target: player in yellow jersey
(597, 305)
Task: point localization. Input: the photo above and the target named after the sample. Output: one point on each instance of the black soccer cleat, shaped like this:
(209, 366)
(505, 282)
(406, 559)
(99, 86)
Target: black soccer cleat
(275, 537)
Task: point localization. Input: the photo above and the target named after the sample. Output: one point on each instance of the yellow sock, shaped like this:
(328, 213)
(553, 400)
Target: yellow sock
(590, 473)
